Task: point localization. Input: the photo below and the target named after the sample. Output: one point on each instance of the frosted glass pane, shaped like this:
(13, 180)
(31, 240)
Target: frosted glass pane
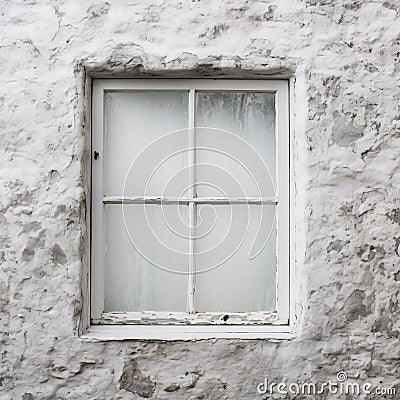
(236, 258)
(236, 138)
(157, 238)
(141, 142)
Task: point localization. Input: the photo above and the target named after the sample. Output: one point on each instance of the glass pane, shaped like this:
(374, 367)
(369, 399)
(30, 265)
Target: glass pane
(236, 258)
(142, 145)
(235, 135)
(138, 255)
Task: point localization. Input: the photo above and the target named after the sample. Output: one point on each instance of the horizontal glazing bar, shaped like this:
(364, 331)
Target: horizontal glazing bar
(144, 200)
(187, 200)
(236, 200)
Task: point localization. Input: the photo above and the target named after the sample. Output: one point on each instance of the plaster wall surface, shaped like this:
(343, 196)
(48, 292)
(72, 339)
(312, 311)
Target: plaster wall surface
(344, 56)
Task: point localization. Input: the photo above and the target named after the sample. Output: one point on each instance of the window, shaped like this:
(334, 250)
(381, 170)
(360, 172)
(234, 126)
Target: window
(190, 204)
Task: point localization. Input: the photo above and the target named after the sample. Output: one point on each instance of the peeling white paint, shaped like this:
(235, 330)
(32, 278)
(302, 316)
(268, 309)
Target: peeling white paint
(165, 318)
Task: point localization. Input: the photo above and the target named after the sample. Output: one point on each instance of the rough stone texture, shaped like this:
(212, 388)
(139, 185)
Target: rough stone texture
(133, 380)
(345, 57)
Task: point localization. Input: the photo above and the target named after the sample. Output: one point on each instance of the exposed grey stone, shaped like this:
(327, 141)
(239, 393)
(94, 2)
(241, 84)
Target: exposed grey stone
(133, 380)
(173, 387)
(58, 256)
(354, 306)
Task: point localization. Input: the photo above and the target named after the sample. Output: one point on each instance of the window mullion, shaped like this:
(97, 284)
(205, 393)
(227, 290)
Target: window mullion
(192, 205)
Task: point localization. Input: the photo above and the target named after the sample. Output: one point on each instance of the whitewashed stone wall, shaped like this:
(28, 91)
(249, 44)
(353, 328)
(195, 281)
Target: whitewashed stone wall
(345, 57)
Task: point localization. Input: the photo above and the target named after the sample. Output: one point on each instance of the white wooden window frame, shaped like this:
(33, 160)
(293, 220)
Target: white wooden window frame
(188, 326)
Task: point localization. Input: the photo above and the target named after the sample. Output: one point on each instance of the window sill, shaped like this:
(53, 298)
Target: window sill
(188, 332)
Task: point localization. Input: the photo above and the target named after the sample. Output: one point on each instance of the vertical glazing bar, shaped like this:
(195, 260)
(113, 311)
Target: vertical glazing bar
(192, 261)
(192, 205)
(192, 145)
